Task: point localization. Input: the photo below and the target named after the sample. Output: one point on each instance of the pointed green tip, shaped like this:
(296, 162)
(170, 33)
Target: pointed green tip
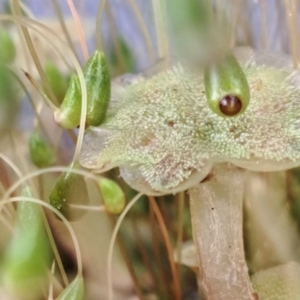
(68, 115)
(74, 291)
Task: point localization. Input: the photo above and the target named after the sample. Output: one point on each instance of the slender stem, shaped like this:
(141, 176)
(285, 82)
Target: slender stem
(180, 226)
(79, 28)
(88, 207)
(161, 277)
(27, 10)
(164, 232)
(5, 182)
(9, 162)
(159, 10)
(98, 24)
(144, 30)
(40, 91)
(55, 250)
(35, 56)
(63, 25)
(50, 292)
(295, 29)
(142, 248)
(22, 40)
(128, 263)
(112, 242)
(37, 116)
(264, 26)
(115, 38)
(291, 15)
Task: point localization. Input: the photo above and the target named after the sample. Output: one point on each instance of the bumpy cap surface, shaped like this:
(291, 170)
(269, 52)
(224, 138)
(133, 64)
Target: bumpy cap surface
(164, 137)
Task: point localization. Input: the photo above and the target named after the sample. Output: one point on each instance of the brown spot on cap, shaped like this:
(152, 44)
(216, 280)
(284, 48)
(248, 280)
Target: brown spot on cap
(230, 105)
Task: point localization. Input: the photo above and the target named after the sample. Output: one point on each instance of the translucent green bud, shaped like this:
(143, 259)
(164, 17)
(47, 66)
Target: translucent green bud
(113, 196)
(68, 115)
(75, 291)
(7, 48)
(70, 189)
(27, 257)
(40, 153)
(97, 80)
(226, 87)
(57, 81)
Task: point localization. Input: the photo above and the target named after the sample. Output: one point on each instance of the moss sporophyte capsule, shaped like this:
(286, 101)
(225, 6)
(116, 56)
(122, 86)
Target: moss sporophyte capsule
(97, 79)
(40, 153)
(112, 194)
(70, 189)
(226, 87)
(68, 115)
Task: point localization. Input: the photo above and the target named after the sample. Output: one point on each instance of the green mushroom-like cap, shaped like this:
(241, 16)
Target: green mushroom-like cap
(164, 137)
